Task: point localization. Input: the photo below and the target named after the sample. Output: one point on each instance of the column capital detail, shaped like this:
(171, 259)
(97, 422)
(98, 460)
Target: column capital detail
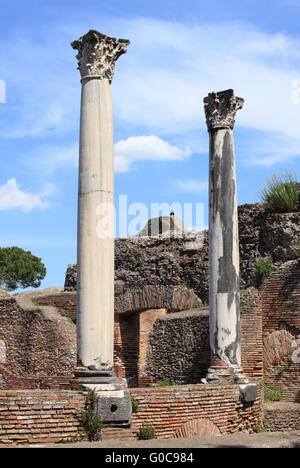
(220, 109)
(98, 53)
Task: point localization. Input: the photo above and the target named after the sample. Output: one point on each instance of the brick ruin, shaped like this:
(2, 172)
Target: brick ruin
(156, 336)
(161, 333)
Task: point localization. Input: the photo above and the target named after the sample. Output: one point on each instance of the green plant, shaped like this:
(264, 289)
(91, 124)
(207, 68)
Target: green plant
(135, 404)
(279, 370)
(164, 383)
(67, 314)
(265, 266)
(20, 269)
(90, 419)
(260, 427)
(272, 394)
(281, 193)
(146, 432)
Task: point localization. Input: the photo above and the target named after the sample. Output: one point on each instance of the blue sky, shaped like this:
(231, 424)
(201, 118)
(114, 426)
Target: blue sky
(180, 51)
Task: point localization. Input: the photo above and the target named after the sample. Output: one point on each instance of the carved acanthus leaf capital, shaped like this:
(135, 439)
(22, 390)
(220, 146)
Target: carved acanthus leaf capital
(98, 53)
(220, 109)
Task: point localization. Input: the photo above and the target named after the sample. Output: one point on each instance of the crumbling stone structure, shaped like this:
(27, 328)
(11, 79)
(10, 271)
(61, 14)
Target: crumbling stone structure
(176, 261)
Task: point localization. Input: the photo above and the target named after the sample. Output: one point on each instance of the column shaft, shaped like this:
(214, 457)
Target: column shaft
(95, 293)
(223, 250)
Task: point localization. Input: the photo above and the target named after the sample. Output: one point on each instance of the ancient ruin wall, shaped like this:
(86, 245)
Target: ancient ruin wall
(36, 341)
(180, 261)
(32, 416)
(173, 410)
(280, 298)
(282, 417)
(179, 348)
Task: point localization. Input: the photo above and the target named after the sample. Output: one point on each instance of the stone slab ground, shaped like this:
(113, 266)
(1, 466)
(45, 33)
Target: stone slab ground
(263, 440)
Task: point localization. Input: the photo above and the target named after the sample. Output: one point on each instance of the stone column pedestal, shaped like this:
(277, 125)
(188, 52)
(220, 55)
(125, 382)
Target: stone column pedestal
(97, 54)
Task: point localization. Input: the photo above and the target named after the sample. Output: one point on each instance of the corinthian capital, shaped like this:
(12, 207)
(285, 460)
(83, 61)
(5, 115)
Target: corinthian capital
(220, 109)
(98, 53)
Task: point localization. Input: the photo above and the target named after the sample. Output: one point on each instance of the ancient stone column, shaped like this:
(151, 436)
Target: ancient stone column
(97, 54)
(224, 293)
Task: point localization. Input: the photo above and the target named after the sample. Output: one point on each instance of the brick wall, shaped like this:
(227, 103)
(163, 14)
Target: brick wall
(169, 409)
(126, 347)
(31, 417)
(280, 297)
(178, 348)
(64, 302)
(251, 334)
(36, 341)
(9, 381)
(282, 417)
(141, 338)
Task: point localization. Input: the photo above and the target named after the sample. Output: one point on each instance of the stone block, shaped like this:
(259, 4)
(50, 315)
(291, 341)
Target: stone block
(249, 392)
(115, 407)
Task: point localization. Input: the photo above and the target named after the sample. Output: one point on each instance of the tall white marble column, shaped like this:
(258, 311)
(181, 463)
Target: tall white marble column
(224, 282)
(97, 54)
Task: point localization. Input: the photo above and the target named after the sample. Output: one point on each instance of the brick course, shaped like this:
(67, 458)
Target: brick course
(280, 297)
(282, 417)
(168, 409)
(35, 416)
(32, 417)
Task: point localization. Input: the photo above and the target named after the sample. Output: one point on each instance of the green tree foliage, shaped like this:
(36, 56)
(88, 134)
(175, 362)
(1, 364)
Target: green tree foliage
(281, 193)
(20, 269)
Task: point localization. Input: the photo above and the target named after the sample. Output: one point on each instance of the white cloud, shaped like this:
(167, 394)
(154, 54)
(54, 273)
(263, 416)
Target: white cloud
(47, 159)
(146, 148)
(191, 185)
(185, 62)
(11, 198)
(159, 84)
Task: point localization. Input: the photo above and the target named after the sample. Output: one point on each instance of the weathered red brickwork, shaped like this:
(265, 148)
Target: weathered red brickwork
(35, 341)
(280, 298)
(33, 337)
(64, 302)
(169, 409)
(9, 381)
(31, 417)
(126, 347)
(251, 334)
(282, 417)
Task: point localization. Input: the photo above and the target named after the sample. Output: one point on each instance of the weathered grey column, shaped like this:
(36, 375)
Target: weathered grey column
(97, 54)
(224, 295)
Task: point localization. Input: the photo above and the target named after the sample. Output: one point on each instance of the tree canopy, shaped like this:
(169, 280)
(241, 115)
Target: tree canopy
(20, 269)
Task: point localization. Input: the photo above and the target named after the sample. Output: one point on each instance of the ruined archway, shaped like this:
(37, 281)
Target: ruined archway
(197, 428)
